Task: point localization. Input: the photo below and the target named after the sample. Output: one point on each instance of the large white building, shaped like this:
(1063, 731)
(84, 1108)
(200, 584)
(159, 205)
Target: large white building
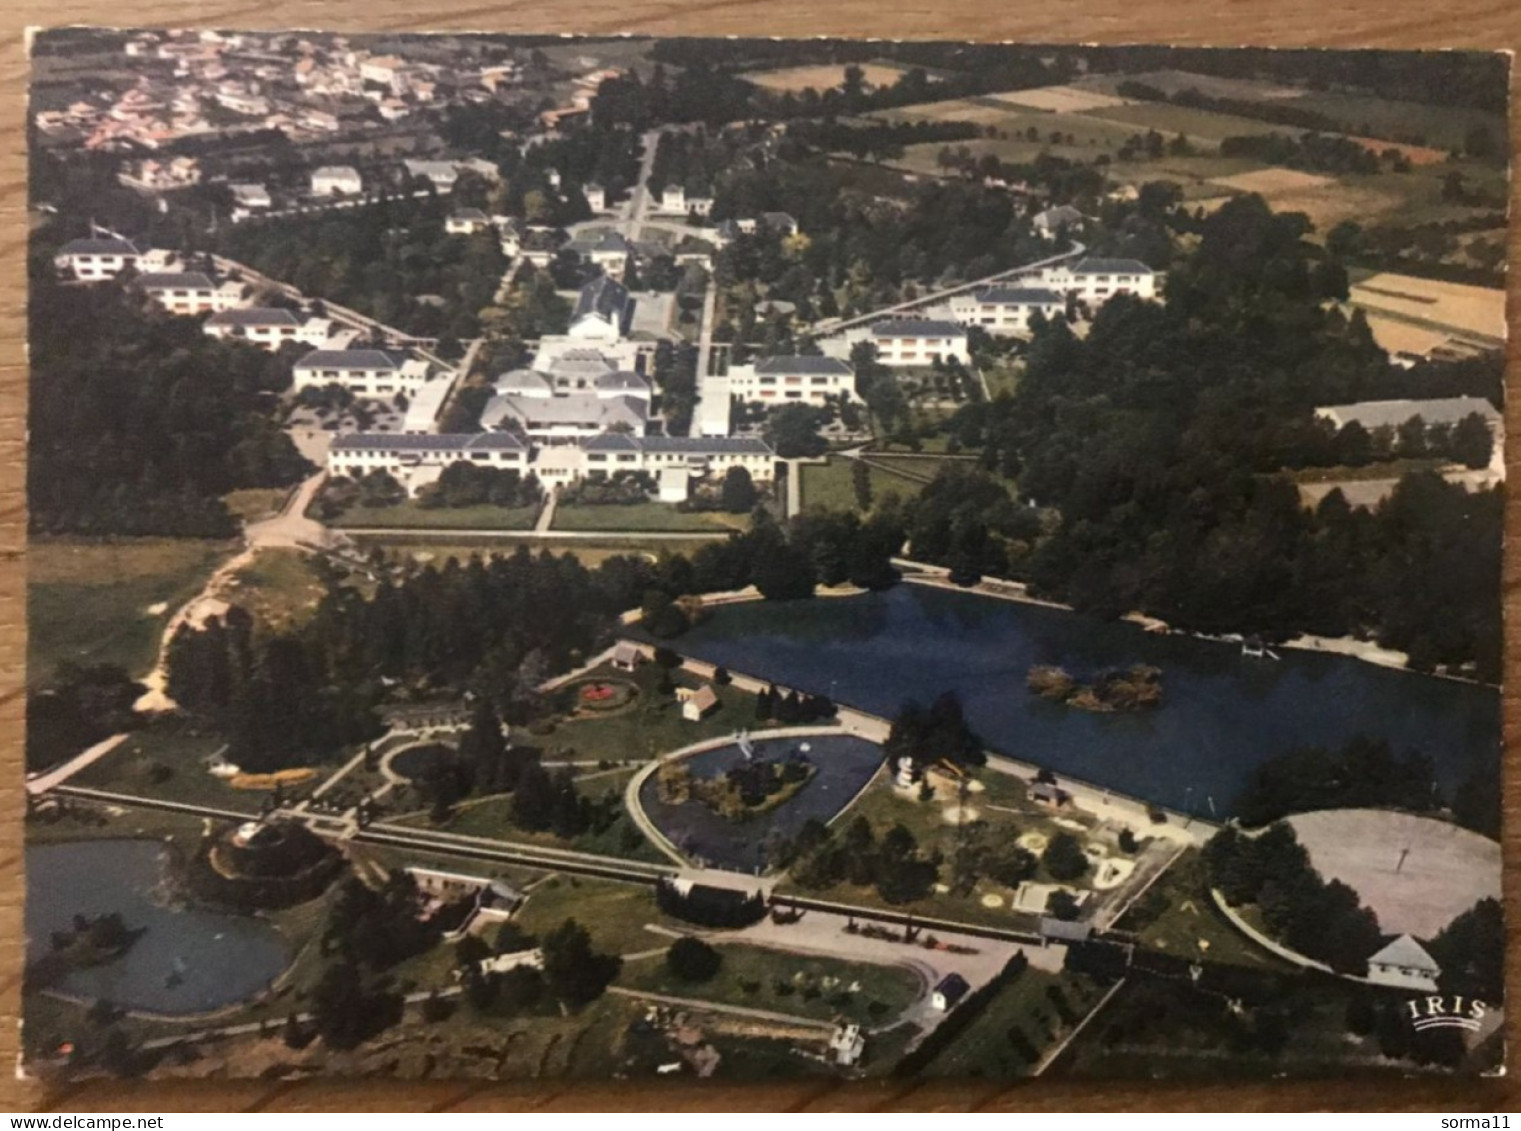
(96, 259)
(270, 327)
(190, 292)
(1096, 281)
(1002, 311)
(399, 455)
(919, 341)
(417, 460)
(333, 180)
(583, 393)
(441, 174)
(796, 377)
(370, 373)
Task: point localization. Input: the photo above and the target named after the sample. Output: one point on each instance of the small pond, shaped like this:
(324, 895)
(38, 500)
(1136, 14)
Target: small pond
(187, 960)
(842, 762)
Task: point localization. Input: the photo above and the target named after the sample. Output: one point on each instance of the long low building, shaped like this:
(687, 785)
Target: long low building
(1096, 281)
(1005, 310)
(414, 460)
(190, 292)
(1391, 414)
(919, 341)
(268, 326)
(797, 377)
(371, 373)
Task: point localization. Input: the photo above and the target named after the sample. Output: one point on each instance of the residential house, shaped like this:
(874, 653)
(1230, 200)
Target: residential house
(919, 341)
(337, 180)
(92, 260)
(250, 196)
(1096, 281)
(270, 327)
(1405, 964)
(608, 250)
(698, 703)
(401, 456)
(189, 292)
(370, 373)
(626, 656)
(847, 1044)
(596, 197)
(1003, 311)
(792, 377)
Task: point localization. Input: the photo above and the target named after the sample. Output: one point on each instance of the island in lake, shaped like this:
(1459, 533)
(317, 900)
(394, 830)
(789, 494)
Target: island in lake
(740, 792)
(1136, 688)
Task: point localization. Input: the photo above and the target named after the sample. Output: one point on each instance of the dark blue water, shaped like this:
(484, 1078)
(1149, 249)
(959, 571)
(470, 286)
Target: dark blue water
(843, 764)
(1222, 714)
(221, 958)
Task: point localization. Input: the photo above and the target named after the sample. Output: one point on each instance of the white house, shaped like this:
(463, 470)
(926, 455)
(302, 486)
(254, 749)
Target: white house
(335, 180)
(673, 198)
(603, 311)
(441, 174)
(596, 197)
(364, 372)
(95, 259)
(697, 704)
(267, 326)
(1096, 281)
(919, 341)
(847, 1044)
(466, 222)
(793, 377)
(568, 418)
(360, 453)
(1002, 311)
(189, 292)
(1406, 964)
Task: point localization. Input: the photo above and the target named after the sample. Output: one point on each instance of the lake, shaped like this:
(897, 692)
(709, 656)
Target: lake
(842, 763)
(1222, 713)
(221, 958)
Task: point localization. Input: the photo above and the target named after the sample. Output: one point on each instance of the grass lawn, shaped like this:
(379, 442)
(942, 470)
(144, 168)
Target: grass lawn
(491, 817)
(1003, 379)
(1390, 469)
(410, 516)
(279, 587)
(614, 913)
(983, 1049)
(1177, 916)
(1199, 126)
(95, 601)
(814, 986)
(831, 485)
(924, 466)
(647, 516)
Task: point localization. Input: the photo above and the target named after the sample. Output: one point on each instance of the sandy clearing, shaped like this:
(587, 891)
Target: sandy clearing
(1062, 99)
(1478, 310)
(822, 76)
(1273, 181)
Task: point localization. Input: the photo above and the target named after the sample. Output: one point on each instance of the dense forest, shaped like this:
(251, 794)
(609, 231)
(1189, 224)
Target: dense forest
(140, 422)
(1156, 442)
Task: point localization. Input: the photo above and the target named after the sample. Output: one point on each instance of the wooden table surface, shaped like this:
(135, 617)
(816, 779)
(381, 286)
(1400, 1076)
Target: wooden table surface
(1486, 24)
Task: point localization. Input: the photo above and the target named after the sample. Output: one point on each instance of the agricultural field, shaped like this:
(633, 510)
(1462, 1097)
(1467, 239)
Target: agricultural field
(1437, 126)
(1433, 303)
(1059, 99)
(820, 77)
(1202, 127)
(106, 601)
(1214, 86)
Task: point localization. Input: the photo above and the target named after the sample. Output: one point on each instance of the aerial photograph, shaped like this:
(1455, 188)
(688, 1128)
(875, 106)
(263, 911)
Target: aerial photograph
(629, 558)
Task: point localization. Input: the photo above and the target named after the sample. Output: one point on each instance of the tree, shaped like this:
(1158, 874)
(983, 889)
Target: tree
(1064, 858)
(793, 430)
(738, 493)
(693, 960)
(1472, 441)
(1062, 904)
(573, 971)
(860, 479)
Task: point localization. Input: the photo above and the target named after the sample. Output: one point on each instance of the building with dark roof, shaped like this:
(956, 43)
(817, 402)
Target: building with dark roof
(919, 341)
(414, 460)
(96, 259)
(1096, 281)
(268, 326)
(189, 292)
(948, 991)
(1005, 310)
(792, 377)
(364, 372)
(603, 311)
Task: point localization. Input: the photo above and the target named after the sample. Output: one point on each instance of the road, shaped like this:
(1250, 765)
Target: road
(639, 200)
(411, 532)
(704, 1006)
(547, 512)
(829, 327)
(60, 774)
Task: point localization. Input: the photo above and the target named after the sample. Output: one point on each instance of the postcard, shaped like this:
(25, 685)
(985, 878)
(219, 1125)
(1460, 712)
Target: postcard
(623, 558)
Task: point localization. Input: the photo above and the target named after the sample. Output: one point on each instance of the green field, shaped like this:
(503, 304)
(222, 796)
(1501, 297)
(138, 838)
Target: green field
(138, 767)
(615, 914)
(811, 986)
(1202, 127)
(591, 552)
(89, 600)
(410, 516)
(1177, 916)
(831, 485)
(647, 517)
(279, 587)
(983, 1049)
(1442, 127)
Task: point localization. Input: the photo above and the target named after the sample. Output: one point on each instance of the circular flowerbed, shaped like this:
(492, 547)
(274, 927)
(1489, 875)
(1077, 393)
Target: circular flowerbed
(603, 695)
